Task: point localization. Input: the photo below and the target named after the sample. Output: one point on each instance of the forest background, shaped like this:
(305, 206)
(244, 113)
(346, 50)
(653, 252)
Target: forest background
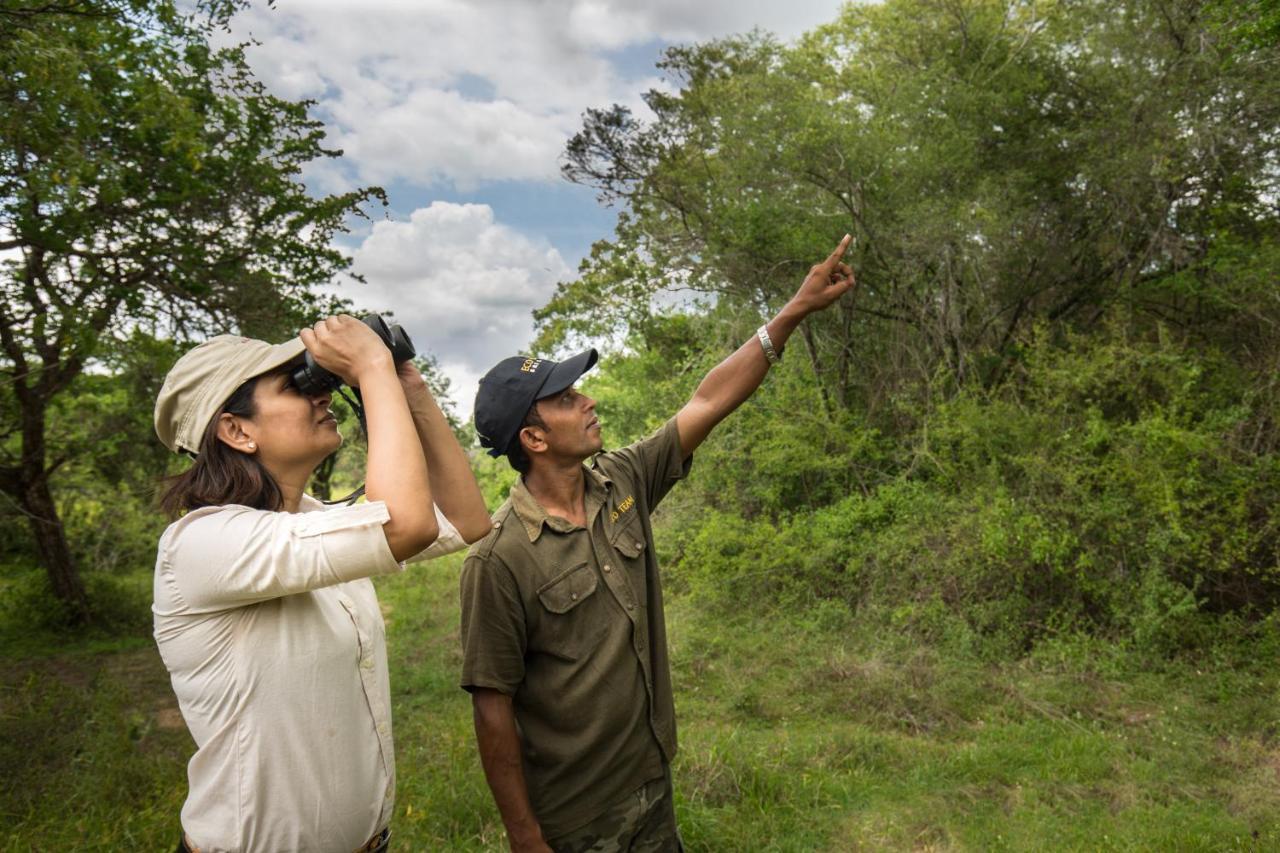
(992, 558)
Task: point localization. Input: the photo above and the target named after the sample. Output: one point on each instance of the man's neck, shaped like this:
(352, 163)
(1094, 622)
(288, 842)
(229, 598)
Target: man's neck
(560, 488)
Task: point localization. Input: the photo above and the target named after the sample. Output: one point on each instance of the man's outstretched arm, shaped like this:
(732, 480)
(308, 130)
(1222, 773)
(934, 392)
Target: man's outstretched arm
(736, 378)
(499, 743)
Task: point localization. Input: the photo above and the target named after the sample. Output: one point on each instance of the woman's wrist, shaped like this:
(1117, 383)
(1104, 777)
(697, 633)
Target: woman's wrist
(377, 366)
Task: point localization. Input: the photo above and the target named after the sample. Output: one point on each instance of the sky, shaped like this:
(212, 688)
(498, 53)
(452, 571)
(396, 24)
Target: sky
(460, 109)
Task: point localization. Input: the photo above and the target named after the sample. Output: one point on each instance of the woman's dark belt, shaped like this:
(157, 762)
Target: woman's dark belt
(377, 844)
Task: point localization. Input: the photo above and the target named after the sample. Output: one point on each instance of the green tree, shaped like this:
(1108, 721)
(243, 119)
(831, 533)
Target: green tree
(1053, 400)
(146, 179)
(999, 162)
(1248, 24)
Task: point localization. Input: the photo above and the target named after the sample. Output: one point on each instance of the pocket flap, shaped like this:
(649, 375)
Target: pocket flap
(629, 541)
(568, 589)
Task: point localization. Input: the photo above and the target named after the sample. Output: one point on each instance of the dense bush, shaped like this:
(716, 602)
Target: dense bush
(31, 616)
(1052, 408)
(1102, 488)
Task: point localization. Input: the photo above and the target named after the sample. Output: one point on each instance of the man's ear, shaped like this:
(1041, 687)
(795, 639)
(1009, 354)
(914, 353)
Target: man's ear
(231, 432)
(532, 439)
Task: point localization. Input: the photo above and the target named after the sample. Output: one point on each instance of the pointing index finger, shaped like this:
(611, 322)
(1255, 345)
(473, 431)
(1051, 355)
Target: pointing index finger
(840, 250)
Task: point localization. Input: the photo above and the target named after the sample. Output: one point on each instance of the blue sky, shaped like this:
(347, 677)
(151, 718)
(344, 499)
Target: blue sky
(461, 110)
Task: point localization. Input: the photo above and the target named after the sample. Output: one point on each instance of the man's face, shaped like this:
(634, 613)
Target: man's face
(572, 430)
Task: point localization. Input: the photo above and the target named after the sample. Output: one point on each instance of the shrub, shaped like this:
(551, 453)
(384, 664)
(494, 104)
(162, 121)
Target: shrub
(1100, 489)
(119, 605)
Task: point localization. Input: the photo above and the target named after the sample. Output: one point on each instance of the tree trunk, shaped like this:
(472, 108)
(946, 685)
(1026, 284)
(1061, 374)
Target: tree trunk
(55, 553)
(29, 483)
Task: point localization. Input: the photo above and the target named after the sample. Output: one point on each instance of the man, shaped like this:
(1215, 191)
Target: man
(564, 643)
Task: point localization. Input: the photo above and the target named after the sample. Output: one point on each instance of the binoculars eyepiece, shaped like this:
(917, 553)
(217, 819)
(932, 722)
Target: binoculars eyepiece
(313, 379)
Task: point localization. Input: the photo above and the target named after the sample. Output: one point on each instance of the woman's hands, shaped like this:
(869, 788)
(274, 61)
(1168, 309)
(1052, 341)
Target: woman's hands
(452, 482)
(396, 469)
(412, 381)
(397, 396)
(346, 347)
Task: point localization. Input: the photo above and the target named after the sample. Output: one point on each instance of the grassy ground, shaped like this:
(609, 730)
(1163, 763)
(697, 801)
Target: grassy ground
(798, 732)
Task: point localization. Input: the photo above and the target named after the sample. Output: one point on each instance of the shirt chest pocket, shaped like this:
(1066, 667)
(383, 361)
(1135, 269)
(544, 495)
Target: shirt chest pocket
(572, 619)
(628, 540)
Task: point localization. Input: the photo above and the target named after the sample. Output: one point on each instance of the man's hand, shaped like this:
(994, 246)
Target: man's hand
(826, 282)
(499, 744)
(738, 376)
(532, 845)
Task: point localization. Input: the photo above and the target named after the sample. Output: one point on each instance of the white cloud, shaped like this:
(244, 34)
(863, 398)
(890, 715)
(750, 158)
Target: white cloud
(462, 285)
(681, 20)
(438, 136)
(430, 91)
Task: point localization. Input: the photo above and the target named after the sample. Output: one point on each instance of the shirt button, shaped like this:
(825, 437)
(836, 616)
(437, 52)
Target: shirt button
(608, 568)
(574, 596)
(367, 663)
(497, 524)
(631, 606)
(639, 544)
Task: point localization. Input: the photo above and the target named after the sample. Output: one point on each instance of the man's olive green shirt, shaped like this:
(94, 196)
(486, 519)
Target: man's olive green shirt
(568, 621)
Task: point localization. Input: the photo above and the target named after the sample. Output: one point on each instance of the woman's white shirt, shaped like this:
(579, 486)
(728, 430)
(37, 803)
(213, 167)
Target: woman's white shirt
(271, 631)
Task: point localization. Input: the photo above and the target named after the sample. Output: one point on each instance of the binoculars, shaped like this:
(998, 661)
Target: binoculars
(313, 379)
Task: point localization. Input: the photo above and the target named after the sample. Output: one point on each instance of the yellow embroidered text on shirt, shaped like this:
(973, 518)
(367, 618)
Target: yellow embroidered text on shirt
(627, 502)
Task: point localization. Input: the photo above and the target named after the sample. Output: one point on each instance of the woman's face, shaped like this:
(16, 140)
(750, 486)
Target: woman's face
(291, 429)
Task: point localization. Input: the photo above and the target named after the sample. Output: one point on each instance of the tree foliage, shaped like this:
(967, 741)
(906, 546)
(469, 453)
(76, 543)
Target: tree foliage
(146, 180)
(1248, 25)
(1077, 191)
(998, 163)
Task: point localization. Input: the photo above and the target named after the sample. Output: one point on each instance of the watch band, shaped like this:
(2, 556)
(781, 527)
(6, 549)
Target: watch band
(767, 345)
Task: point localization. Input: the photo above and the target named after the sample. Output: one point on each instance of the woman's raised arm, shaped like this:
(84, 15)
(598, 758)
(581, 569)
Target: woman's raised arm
(397, 471)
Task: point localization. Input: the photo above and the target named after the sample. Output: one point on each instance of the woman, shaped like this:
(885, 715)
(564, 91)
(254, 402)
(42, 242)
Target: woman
(264, 611)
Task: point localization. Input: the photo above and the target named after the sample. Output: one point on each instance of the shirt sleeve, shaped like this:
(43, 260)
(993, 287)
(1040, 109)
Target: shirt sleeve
(493, 627)
(230, 556)
(448, 540)
(657, 463)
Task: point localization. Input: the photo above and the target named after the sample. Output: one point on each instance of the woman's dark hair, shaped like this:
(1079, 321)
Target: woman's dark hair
(221, 475)
(515, 450)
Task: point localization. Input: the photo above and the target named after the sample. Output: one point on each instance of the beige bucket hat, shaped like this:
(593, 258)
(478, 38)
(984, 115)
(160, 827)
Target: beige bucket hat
(203, 379)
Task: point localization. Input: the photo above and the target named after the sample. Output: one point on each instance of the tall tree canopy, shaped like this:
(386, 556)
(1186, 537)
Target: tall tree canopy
(1053, 398)
(146, 180)
(1000, 163)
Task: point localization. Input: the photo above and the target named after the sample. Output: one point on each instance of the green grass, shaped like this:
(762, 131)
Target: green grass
(799, 731)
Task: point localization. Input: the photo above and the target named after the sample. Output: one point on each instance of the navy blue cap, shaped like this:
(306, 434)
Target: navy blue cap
(510, 389)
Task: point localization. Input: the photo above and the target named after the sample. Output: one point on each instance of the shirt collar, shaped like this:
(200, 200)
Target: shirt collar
(533, 516)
